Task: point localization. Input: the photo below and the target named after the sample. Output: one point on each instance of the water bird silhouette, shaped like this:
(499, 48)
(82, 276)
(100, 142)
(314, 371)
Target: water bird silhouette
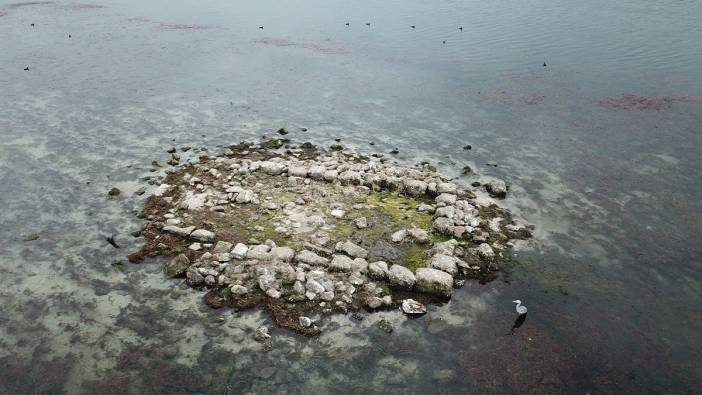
(26, 68)
(347, 24)
(260, 27)
(544, 64)
(460, 28)
(413, 26)
(112, 241)
(368, 24)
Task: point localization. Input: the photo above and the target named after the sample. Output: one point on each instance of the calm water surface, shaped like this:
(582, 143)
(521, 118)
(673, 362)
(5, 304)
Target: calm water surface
(611, 278)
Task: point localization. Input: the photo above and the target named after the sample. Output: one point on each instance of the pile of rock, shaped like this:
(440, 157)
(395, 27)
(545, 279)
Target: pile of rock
(307, 201)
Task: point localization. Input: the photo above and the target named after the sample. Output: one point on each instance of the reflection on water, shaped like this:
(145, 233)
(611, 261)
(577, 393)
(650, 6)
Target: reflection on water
(600, 148)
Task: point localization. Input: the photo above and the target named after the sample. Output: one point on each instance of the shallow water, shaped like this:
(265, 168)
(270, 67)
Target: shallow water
(611, 277)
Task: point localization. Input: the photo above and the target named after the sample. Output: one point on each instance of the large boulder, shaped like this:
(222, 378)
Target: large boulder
(434, 281)
(401, 277)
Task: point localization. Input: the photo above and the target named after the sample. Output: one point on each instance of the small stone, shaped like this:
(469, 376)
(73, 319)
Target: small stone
(311, 258)
(114, 191)
(314, 287)
(399, 236)
(448, 198)
(284, 254)
(419, 235)
(210, 280)
(373, 302)
(338, 213)
(413, 308)
(239, 290)
(305, 322)
(193, 277)
(361, 222)
(425, 208)
(261, 334)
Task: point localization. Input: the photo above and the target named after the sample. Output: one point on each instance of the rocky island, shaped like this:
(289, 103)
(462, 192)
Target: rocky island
(301, 231)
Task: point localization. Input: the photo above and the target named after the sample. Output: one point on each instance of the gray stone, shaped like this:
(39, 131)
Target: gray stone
(378, 270)
(447, 211)
(485, 252)
(203, 235)
(177, 266)
(434, 281)
(361, 222)
(314, 287)
(447, 198)
(352, 249)
(419, 235)
(373, 302)
(444, 263)
(443, 225)
(425, 208)
(399, 236)
(401, 277)
(261, 334)
(305, 322)
(239, 289)
(193, 277)
(341, 263)
(258, 252)
(497, 188)
(182, 232)
(245, 196)
(415, 187)
(446, 187)
(239, 251)
(222, 246)
(310, 258)
(283, 254)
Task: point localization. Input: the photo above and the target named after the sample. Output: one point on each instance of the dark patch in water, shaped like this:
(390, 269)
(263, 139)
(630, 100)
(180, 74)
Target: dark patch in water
(284, 42)
(630, 101)
(182, 26)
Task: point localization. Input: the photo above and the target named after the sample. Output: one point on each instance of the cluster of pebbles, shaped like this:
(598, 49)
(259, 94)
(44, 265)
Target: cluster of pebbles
(303, 233)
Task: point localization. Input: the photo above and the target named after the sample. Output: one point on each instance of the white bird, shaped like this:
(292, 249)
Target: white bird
(520, 309)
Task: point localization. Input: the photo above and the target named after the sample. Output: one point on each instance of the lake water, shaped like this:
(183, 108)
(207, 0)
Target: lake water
(601, 148)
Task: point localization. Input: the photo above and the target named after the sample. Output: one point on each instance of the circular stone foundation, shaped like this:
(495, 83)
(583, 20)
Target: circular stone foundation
(300, 231)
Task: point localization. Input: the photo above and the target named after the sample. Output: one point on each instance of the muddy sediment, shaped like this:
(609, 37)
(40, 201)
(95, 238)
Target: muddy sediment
(302, 232)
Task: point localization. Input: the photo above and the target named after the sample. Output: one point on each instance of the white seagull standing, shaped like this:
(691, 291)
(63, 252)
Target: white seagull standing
(520, 309)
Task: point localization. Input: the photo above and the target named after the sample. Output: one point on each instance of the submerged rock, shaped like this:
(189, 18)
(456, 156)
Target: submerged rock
(177, 266)
(497, 188)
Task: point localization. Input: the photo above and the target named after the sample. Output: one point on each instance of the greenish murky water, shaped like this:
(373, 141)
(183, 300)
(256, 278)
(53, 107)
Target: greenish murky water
(610, 181)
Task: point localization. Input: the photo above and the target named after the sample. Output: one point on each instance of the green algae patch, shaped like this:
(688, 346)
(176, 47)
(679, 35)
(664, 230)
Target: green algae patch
(415, 258)
(402, 209)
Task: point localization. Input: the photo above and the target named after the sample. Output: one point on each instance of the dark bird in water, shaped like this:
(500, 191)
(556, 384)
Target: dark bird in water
(444, 41)
(460, 28)
(32, 25)
(368, 24)
(26, 68)
(69, 36)
(544, 64)
(413, 26)
(112, 242)
(347, 24)
(260, 27)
